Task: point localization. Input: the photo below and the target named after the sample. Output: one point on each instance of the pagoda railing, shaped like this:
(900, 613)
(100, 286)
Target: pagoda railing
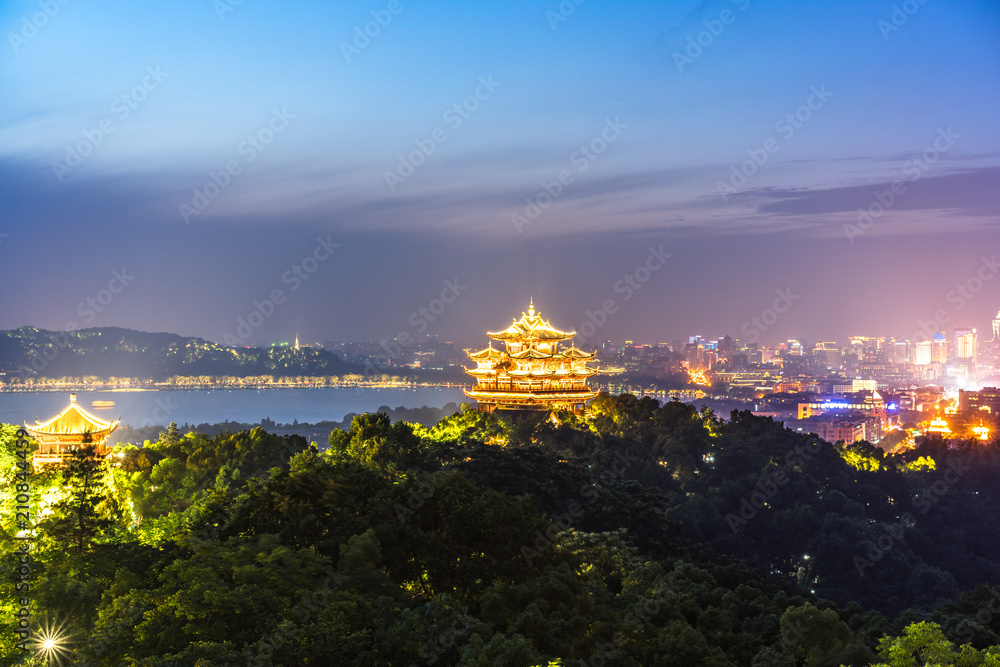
(552, 387)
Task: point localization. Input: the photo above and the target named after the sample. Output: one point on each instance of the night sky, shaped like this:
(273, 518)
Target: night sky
(492, 153)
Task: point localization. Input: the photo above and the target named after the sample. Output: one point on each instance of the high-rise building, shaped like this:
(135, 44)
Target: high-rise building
(939, 349)
(922, 353)
(902, 352)
(996, 328)
(986, 399)
(870, 349)
(965, 344)
(827, 354)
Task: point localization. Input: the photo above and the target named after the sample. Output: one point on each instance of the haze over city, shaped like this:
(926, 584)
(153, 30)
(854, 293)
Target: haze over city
(534, 149)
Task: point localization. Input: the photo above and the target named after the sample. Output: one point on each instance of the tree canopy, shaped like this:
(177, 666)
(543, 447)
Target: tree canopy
(639, 534)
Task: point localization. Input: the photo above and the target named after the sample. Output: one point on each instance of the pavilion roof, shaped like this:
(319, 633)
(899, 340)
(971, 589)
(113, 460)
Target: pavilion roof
(71, 421)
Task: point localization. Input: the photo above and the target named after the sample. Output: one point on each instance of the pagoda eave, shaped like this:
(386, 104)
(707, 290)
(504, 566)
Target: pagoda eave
(530, 396)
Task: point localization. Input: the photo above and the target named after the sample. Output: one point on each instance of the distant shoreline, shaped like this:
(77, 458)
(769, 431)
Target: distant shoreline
(223, 387)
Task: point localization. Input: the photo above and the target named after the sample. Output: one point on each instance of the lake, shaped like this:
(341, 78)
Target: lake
(200, 406)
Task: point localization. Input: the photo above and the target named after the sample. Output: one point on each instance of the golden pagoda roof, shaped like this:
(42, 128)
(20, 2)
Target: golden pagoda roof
(487, 353)
(530, 327)
(577, 353)
(73, 420)
(530, 353)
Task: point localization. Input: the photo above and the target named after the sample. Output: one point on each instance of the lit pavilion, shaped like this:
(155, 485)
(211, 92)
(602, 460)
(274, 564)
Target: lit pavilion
(73, 427)
(530, 372)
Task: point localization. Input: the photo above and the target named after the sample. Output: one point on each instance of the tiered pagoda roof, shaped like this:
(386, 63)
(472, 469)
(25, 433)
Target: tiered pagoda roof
(530, 372)
(531, 327)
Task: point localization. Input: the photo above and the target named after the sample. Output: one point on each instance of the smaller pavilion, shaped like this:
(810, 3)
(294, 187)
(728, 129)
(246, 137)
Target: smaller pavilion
(73, 427)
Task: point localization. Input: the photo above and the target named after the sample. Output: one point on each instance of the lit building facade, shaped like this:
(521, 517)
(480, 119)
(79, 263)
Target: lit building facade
(530, 372)
(73, 427)
(848, 428)
(828, 354)
(965, 344)
(986, 399)
(871, 403)
(939, 351)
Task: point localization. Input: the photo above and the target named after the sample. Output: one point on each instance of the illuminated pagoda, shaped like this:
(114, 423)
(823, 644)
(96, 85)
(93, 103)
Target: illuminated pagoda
(73, 427)
(530, 372)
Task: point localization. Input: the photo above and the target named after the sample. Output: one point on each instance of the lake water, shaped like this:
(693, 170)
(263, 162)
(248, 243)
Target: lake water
(199, 406)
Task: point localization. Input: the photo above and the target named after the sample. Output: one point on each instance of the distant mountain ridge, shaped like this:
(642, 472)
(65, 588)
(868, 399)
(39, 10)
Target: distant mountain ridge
(117, 352)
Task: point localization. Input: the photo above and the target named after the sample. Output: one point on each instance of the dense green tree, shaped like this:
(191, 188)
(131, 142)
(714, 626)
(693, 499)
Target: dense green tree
(924, 644)
(82, 516)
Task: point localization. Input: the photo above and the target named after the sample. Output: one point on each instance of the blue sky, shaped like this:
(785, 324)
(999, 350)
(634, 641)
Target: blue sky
(684, 121)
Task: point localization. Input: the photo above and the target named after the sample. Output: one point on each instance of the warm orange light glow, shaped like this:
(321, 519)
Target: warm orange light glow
(938, 425)
(530, 372)
(699, 377)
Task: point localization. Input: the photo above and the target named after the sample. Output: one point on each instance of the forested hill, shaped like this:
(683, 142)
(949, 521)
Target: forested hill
(638, 535)
(115, 352)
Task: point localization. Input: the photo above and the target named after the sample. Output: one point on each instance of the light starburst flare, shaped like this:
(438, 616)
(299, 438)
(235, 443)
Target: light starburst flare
(53, 643)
